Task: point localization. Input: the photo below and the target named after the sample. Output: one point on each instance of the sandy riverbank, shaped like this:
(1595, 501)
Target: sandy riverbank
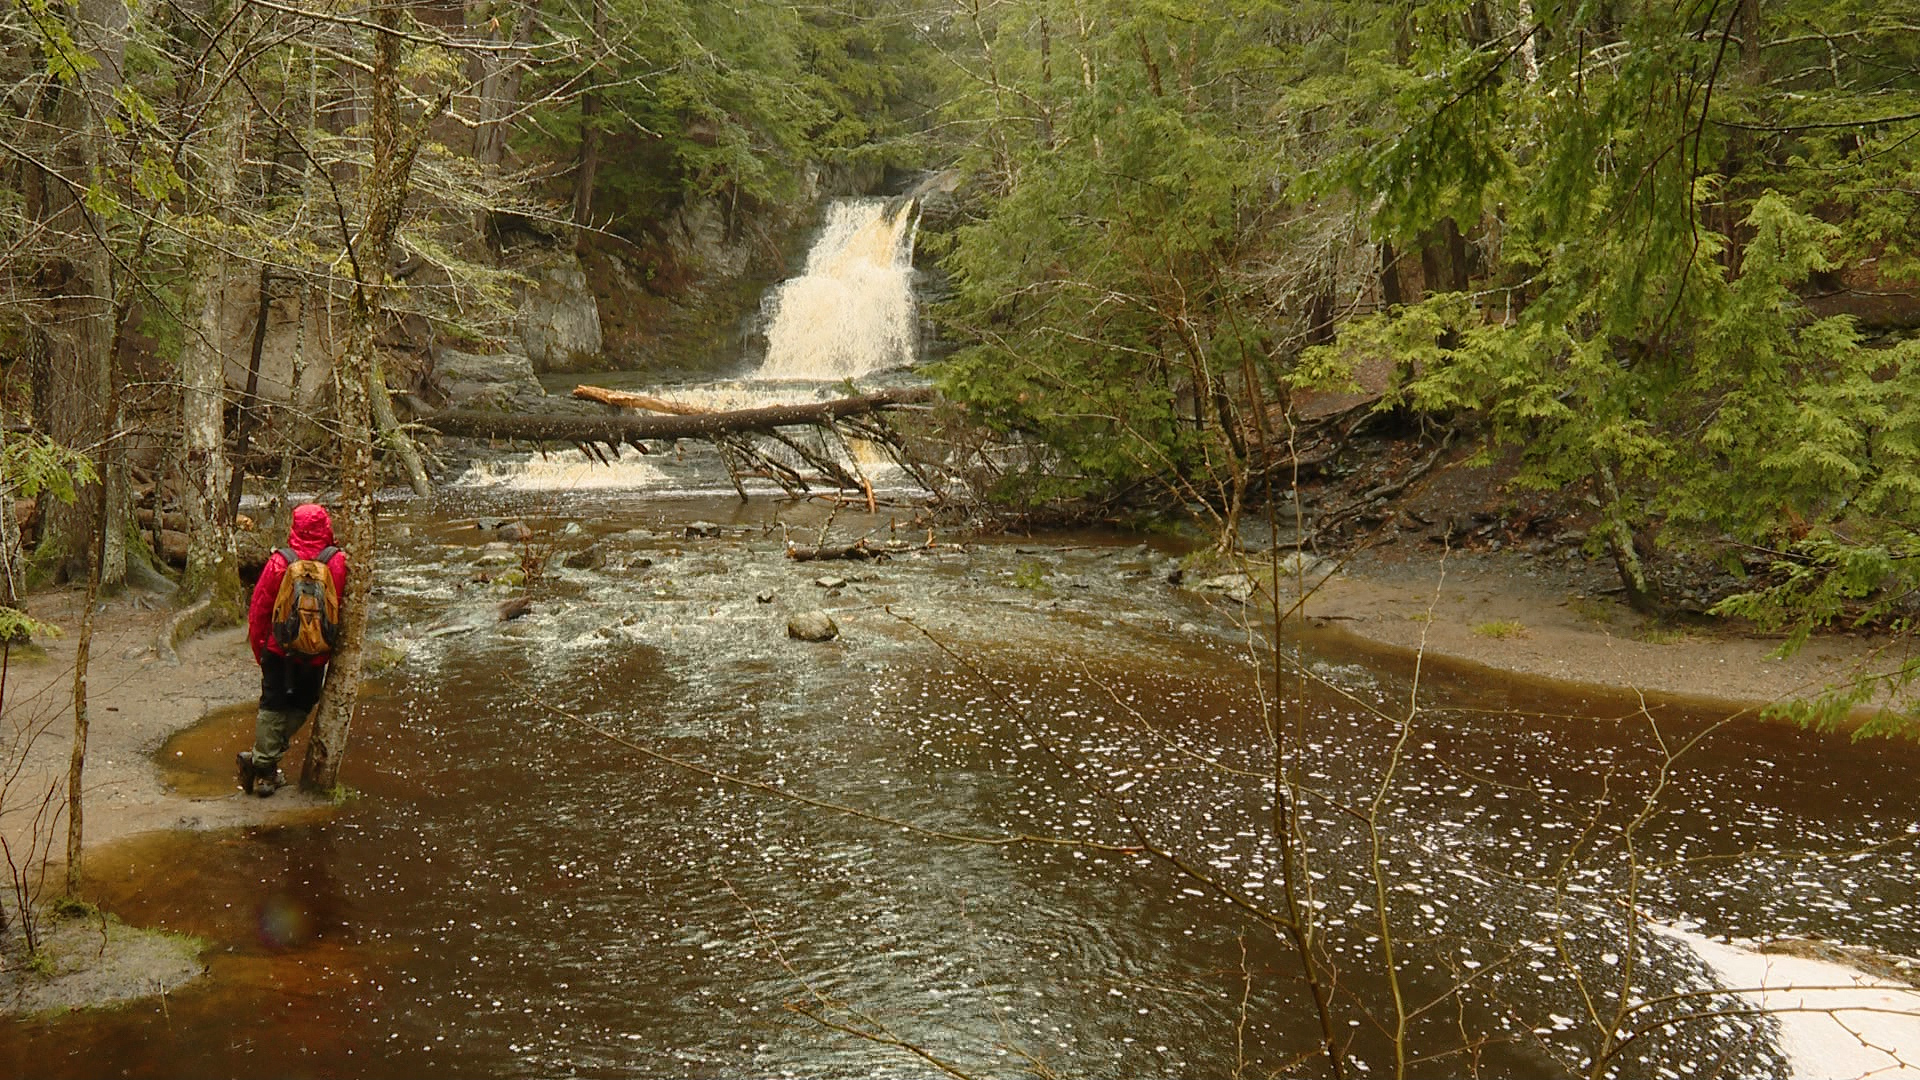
(1561, 621)
(136, 701)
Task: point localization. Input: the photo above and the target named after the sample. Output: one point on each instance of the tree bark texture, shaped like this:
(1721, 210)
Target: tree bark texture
(13, 556)
(212, 567)
(587, 167)
(77, 757)
(353, 518)
(495, 75)
(213, 571)
(79, 410)
(627, 399)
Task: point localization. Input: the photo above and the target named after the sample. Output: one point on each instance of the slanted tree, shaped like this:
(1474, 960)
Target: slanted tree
(394, 140)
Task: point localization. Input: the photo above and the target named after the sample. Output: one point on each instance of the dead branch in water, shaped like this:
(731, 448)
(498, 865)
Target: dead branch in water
(626, 399)
(858, 551)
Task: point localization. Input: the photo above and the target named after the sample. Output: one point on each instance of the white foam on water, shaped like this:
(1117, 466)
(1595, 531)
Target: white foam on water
(851, 310)
(1836, 1022)
(562, 470)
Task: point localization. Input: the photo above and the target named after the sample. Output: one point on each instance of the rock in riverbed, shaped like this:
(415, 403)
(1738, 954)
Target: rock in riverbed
(812, 626)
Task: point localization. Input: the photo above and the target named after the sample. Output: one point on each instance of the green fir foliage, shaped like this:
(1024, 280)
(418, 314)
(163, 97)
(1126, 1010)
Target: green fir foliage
(1609, 226)
(702, 100)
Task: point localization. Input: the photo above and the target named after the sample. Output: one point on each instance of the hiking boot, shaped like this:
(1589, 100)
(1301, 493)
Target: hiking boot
(265, 784)
(249, 776)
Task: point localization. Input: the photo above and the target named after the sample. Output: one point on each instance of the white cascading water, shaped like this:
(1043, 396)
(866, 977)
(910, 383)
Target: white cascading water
(848, 313)
(851, 310)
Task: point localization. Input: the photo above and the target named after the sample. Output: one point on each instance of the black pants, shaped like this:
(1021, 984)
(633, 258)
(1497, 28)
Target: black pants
(289, 689)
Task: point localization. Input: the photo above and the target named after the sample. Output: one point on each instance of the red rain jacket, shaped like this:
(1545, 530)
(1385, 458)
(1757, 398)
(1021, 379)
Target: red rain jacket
(312, 532)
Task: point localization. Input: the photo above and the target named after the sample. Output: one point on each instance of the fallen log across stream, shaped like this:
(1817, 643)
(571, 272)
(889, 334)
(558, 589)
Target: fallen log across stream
(633, 429)
(750, 441)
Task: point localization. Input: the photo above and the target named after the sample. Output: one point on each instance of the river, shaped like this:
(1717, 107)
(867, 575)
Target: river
(513, 893)
(641, 832)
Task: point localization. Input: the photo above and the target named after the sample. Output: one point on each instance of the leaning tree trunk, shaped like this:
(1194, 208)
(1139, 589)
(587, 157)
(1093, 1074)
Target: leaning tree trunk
(1643, 594)
(392, 435)
(353, 518)
(632, 430)
(384, 194)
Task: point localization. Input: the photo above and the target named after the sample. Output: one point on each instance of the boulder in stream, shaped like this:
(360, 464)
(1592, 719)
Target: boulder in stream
(500, 381)
(812, 626)
(1235, 586)
(590, 557)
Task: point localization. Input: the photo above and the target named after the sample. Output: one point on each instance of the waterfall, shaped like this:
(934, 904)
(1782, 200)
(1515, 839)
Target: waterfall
(850, 311)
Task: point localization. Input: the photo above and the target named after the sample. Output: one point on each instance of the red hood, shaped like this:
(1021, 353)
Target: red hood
(312, 530)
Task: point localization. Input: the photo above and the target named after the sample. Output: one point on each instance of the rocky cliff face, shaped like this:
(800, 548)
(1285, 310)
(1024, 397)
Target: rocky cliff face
(676, 300)
(559, 317)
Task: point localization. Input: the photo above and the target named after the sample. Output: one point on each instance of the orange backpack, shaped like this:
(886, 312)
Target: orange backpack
(306, 611)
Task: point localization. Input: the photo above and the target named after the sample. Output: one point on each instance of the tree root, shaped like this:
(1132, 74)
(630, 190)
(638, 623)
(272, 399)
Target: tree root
(180, 629)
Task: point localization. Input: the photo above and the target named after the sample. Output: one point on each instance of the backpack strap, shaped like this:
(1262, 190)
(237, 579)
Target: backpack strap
(326, 554)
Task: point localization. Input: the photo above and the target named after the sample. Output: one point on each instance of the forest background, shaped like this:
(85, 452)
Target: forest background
(1660, 254)
(1656, 259)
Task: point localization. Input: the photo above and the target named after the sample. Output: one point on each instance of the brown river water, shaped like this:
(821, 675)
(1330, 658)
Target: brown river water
(519, 889)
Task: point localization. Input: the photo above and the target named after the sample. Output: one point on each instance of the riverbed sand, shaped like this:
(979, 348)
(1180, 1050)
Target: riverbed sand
(1562, 621)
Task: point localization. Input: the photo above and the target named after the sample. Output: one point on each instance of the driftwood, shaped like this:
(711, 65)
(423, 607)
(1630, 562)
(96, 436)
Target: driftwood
(627, 399)
(859, 550)
(633, 430)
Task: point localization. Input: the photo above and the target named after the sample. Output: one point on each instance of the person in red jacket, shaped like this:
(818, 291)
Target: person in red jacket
(289, 685)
